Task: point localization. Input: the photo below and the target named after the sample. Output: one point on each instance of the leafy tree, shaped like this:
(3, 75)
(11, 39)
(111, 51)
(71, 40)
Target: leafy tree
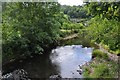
(104, 26)
(75, 11)
(109, 10)
(29, 27)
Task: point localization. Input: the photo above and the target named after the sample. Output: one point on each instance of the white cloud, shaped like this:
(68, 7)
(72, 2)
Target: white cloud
(70, 2)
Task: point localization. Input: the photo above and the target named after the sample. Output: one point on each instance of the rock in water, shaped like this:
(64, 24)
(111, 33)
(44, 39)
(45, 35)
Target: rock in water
(19, 74)
(55, 76)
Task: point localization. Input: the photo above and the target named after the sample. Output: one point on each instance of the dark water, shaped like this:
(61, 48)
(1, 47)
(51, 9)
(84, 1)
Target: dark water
(62, 61)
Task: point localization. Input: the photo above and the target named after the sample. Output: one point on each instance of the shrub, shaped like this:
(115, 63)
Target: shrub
(26, 35)
(86, 72)
(98, 53)
(101, 71)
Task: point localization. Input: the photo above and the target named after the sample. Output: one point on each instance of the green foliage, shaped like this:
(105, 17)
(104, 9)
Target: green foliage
(98, 53)
(79, 40)
(100, 68)
(104, 31)
(109, 10)
(29, 28)
(65, 33)
(86, 72)
(68, 28)
(104, 26)
(75, 11)
(101, 72)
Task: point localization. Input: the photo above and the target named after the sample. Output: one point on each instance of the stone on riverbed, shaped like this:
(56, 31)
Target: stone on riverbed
(19, 74)
(55, 76)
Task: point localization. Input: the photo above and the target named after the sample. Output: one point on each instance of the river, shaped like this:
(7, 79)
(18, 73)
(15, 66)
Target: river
(63, 61)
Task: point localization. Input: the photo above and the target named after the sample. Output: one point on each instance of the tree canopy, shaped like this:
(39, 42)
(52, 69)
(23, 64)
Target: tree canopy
(29, 27)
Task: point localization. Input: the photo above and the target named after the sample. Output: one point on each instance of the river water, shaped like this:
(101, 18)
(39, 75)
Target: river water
(63, 61)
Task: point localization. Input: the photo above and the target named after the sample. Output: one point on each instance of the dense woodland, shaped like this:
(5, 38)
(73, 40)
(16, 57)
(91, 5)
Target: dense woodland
(32, 28)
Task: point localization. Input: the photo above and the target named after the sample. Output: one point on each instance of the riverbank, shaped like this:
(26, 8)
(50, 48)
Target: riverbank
(101, 67)
(104, 66)
(112, 56)
(95, 63)
(70, 37)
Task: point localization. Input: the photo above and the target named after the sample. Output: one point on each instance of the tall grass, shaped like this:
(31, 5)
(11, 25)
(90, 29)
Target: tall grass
(99, 54)
(100, 68)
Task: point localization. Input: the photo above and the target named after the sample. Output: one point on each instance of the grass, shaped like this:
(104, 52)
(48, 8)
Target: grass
(101, 68)
(99, 54)
(117, 51)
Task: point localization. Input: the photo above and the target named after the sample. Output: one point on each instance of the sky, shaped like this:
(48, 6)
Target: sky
(70, 2)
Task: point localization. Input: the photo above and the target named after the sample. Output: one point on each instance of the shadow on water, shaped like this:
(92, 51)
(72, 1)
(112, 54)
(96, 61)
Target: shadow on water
(62, 61)
(37, 67)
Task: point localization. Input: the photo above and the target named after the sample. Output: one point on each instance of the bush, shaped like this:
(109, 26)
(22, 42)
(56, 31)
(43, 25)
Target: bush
(100, 54)
(26, 35)
(101, 71)
(86, 72)
(104, 31)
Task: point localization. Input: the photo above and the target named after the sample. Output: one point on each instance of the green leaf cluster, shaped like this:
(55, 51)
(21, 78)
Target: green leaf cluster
(29, 27)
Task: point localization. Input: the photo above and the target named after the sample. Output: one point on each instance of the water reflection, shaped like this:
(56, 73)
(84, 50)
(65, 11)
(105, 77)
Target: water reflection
(62, 61)
(36, 67)
(68, 58)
